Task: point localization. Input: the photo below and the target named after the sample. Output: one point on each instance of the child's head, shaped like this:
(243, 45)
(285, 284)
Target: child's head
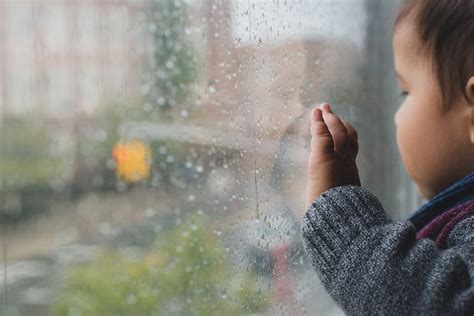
(433, 44)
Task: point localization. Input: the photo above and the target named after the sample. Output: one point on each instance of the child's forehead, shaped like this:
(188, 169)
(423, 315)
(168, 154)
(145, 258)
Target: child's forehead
(405, 36)
(407, 47)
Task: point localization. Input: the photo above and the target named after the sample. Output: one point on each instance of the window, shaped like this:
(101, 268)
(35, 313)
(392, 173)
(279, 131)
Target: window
(153, 152)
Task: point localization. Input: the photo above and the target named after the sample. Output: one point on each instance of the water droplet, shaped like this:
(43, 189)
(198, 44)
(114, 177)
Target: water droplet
(150, 212)
(157, 228)
(160, 101)
(74, 311)
(131, 299)
(211, 89)
(152, 27)
(144, 88)
(169, 64)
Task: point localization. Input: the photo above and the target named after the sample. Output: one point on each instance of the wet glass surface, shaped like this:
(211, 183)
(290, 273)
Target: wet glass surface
(153, 153)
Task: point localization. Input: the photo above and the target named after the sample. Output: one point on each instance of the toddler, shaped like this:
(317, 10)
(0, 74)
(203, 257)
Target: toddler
(368, 263)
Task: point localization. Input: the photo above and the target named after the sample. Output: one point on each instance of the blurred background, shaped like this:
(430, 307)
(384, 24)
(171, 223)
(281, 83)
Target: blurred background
(153, 153)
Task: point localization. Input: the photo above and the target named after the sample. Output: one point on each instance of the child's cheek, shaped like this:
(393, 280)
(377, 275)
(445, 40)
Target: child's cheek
(407, 140)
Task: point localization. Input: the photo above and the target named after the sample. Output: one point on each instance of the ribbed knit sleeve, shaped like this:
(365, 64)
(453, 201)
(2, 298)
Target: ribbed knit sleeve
(372, 265)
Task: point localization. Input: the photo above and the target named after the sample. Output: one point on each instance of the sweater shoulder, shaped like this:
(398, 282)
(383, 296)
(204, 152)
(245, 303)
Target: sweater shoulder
(462, 232)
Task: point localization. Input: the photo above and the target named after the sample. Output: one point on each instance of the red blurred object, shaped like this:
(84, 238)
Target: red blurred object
(282, 283)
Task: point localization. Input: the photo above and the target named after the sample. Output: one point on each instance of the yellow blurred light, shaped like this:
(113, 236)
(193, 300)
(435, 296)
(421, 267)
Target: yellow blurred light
(133, 160)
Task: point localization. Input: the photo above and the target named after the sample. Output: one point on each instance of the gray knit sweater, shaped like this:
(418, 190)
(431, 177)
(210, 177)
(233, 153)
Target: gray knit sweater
(372, 265)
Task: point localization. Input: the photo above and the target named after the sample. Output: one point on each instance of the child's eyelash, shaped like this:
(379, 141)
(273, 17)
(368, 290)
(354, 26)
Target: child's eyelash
(403, 94)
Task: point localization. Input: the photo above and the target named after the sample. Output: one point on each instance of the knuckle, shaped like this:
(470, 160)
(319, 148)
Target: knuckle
(319, 129)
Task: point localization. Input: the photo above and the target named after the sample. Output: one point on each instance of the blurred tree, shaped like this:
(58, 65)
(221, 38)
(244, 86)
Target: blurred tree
(25, 155)
(174, 66)
(26, 168)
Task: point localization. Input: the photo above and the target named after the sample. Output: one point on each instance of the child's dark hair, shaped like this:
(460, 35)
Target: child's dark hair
(445, 29)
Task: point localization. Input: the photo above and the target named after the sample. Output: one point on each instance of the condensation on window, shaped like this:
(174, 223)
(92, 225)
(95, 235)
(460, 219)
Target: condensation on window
(154, 152)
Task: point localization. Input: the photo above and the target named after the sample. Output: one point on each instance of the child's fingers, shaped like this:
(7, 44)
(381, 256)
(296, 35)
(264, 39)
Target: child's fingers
(321, 138)
(353, 145)
(336, 128)
(351, 131)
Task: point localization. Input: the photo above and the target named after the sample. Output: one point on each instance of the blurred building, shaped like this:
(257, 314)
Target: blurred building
(60, 59)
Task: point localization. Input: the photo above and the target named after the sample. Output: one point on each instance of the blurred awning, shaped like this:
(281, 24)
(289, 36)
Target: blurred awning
(196, 134)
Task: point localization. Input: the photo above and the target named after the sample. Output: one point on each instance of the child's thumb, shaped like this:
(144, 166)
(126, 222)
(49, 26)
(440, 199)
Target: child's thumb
(321, 138)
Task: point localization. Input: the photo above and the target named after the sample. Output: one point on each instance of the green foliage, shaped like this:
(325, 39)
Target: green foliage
(110, 286)
(27, 165)
(190, 274)
(99, 141)
(25, 158)
(96, 145)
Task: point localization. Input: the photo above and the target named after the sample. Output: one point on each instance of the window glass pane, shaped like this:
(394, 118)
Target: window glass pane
(154, 151)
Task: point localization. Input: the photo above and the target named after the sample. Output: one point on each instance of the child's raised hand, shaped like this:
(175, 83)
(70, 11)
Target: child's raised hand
(334, 148)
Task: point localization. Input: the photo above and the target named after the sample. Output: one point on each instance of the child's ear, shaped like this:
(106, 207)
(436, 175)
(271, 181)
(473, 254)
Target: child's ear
(470, 90)
(470, 99)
